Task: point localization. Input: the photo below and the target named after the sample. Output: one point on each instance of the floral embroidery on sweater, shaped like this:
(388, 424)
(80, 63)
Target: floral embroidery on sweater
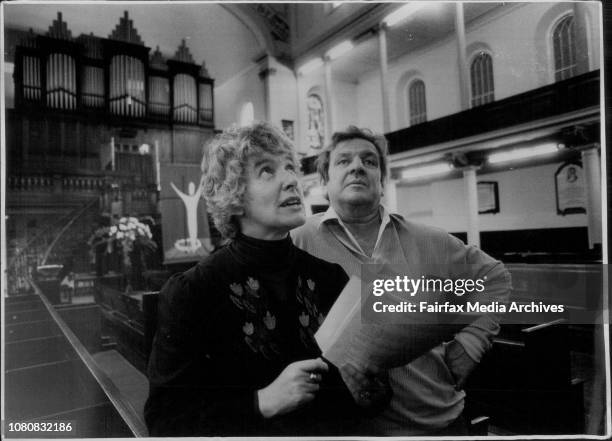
(310, 317)
(260, 321)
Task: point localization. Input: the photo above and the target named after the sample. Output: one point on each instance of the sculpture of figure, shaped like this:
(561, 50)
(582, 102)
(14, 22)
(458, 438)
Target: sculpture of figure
(191, 211)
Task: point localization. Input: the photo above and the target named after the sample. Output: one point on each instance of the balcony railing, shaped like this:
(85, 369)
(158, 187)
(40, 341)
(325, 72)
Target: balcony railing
(580, 92)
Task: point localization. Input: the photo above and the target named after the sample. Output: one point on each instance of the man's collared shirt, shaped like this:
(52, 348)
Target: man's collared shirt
(349, 241)
(424, 393)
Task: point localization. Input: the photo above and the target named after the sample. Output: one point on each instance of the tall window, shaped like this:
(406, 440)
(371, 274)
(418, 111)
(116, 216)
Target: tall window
(316, 125)
(481, 74)
(416, 102)
(247, 114)
(564, 48)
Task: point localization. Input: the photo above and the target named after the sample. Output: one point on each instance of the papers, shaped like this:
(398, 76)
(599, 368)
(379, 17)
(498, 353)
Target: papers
(345, 339)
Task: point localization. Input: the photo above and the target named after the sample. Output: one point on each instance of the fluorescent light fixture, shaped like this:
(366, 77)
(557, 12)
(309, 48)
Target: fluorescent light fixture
(339, 49)
(427, 170)
(400, 14)
(523, 153)
(313, 64)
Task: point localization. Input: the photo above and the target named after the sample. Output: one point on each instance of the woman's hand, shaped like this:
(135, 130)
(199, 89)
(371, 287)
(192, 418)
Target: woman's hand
(296, 385)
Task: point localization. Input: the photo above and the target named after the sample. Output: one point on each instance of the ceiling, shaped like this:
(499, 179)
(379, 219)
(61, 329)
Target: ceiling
(434, 21)
(222, 36)
(214, 33)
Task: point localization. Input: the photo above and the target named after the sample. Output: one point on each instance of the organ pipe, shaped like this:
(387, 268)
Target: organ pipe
(185, 99)
(93, 86)
(127, 86)
(31, 78)
(61, 81)
(180, 94)
(159, 96)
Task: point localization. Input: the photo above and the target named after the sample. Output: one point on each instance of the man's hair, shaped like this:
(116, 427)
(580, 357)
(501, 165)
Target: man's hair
(352, 132)
(224, 168)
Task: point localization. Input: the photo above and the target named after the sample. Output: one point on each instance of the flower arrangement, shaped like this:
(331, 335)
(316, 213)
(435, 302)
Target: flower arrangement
(129, 234)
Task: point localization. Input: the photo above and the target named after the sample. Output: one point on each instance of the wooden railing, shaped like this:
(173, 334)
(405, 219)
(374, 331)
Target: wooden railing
(44, 358)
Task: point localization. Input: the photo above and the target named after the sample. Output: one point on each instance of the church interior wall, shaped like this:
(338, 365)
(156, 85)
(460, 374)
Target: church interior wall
(512, 48)
(346, 108)
(369, 102)
(283, 96)
(437, 68)
(526, 201)
(516, 35)
(234, 93)
(518, 67)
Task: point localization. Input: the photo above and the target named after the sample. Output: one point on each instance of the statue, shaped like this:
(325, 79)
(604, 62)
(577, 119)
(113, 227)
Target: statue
(191, 200)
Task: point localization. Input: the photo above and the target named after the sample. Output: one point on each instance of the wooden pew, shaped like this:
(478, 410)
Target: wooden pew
(50, 376)
(123, 321)
(525, 385)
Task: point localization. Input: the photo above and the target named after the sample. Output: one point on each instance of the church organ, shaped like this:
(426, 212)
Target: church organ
(115, 76)
(76, 99)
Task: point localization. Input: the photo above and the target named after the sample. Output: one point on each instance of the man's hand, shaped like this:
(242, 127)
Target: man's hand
(459, 363)
(370, 388)
(296, 385)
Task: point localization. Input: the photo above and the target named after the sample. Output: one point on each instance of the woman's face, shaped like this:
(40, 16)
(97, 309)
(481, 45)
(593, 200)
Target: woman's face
(273, 201)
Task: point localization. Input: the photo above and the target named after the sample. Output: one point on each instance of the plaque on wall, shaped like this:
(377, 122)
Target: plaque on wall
(570, 189)
(488, 197)
(186, 236)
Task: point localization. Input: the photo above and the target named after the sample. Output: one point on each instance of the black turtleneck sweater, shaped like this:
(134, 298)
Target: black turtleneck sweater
(228, 327)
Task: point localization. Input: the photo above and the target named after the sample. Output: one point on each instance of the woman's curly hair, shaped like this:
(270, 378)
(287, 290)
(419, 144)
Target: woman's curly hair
(224, 168)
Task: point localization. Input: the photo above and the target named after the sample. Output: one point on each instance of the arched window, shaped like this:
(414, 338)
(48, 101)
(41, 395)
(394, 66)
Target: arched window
(481, 74)
(247, 114)
(416, 102)
(564, 48)
(316, 125)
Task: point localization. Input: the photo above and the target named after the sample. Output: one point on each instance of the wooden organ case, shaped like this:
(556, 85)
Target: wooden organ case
(92, 119)
(93, 115)
(106, 88)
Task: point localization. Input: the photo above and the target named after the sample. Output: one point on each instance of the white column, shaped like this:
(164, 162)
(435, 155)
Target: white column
(471, 192)
(384, 89)
(265, 74)
(390, 197)
(329, 98)
(592, 174)
(464, 85)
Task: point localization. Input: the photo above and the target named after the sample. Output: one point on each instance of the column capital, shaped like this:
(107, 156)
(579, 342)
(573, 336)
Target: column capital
(266, 72)
(464, 161)
(380, 27)
(468, 168)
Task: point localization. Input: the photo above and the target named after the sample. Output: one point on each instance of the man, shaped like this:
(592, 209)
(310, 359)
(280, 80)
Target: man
(356, 229)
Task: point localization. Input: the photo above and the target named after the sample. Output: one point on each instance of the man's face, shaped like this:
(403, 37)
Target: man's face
(354, 174)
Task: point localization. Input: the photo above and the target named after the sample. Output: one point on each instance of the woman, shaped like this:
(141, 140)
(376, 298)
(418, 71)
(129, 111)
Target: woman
(234, 352)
